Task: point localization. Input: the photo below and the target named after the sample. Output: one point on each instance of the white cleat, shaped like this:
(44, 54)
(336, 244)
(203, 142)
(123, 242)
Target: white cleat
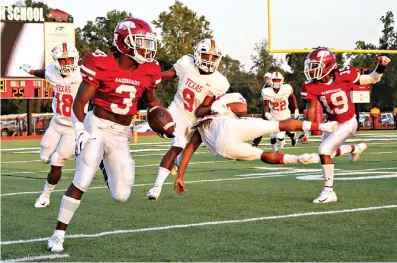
(175, 169)
(357, 152)
(55, 243)
(42, 202)
(326, 197)
(154, 193)
(308, 158)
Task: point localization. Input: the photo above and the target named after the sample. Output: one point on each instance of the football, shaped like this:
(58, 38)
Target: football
(160, 120)
(239, 108)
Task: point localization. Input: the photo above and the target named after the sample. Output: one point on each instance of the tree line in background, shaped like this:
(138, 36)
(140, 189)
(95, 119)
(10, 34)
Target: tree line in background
(182, 28)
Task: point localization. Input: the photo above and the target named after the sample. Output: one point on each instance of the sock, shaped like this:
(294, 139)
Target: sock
(288, 159)
(344, 149)
(59, 233)
(161, 176)
(67, 209)
(328, 173)
(48, 189)
(274, 146)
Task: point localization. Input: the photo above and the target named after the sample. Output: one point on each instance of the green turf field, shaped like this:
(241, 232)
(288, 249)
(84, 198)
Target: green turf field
(233, 211)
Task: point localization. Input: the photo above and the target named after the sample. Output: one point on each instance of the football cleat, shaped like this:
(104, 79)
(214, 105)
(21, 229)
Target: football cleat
(308, 158)
(357, 152)
(55, 243)
(154, 193)
(42, 202)
(326, 197)
(303, 138)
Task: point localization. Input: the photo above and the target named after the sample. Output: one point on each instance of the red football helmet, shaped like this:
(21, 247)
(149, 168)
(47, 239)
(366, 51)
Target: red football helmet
(134, 37)
(319, 63)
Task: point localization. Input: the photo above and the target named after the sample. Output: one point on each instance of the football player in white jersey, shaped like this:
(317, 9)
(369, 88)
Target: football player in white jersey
(268, 83)
(224, 135)
(276, 99)
(199, 80)
(58, 142)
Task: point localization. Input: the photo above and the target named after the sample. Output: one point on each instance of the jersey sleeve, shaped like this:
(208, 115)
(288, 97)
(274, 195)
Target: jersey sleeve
(222, 86)
(50, 74)
(89, 71)
(349, 74)
(182, 64)
(306, 94)
(266, 94)
(154, 70)
(290, 89)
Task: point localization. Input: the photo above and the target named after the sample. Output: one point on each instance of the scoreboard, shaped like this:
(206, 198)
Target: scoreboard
(25, 89)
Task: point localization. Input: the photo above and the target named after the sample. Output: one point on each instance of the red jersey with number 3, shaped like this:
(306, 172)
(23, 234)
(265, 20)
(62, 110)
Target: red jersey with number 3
(335, 97)
(118, 91)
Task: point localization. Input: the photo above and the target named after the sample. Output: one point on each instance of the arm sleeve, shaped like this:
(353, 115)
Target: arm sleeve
(89, 71)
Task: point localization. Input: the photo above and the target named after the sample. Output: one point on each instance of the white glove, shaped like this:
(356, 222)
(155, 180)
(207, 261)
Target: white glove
(27, 68)
(329, 126)
(296, 114)
(383, 60)
(268, 116)
(82, 137)
(220, 108)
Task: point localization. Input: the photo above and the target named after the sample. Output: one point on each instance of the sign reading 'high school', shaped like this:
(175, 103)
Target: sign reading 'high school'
(22, 13)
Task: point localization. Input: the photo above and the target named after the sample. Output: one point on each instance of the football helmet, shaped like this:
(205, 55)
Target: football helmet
(63, 51)
(319, 63)
(277, 76)
(134, 38)
(207, 55)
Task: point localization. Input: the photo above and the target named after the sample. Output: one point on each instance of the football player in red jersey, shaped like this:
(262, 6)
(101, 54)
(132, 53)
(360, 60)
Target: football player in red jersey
(331, 87)
(115, 82)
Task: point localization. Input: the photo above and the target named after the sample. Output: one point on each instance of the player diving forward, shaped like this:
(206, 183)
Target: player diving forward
(276, 99)
(58, 142)
(116, 81)
(199, 80)
(331, 87)
(225, 135)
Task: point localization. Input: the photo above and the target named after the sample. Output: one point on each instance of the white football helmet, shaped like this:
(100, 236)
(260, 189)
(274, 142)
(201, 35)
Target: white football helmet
(277, 76)
(208, 48)
(65, 50)
(268, 75)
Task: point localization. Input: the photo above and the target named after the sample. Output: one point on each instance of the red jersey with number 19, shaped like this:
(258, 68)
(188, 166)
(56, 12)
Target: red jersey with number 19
(334, 96)
(118, 91)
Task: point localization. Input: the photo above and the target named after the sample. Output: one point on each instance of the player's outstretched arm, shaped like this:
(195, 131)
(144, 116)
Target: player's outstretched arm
(377, 74)
(168, 75)
(150, 98)
(295, 102)
(40, 73)
(83, 96)
(205, 108)
(266, 110)
(191, 147)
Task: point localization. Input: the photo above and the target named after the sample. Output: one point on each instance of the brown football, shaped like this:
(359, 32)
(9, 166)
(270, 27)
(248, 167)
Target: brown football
(239, 108)
(160, 120)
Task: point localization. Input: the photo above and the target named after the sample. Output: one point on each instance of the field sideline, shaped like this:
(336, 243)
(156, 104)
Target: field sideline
(233, 211)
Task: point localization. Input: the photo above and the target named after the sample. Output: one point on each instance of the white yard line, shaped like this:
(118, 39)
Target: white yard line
(28, 259)
(208, 223)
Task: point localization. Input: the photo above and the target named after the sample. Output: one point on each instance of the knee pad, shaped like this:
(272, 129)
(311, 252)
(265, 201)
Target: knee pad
(273, 140)
(121, 195)
(325, 149)
(45, 159)
(57, 160)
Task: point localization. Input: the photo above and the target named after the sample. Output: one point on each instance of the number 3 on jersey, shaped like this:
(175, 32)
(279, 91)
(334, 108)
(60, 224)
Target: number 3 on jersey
(64, 104)
(188, 99)
(339, 102)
